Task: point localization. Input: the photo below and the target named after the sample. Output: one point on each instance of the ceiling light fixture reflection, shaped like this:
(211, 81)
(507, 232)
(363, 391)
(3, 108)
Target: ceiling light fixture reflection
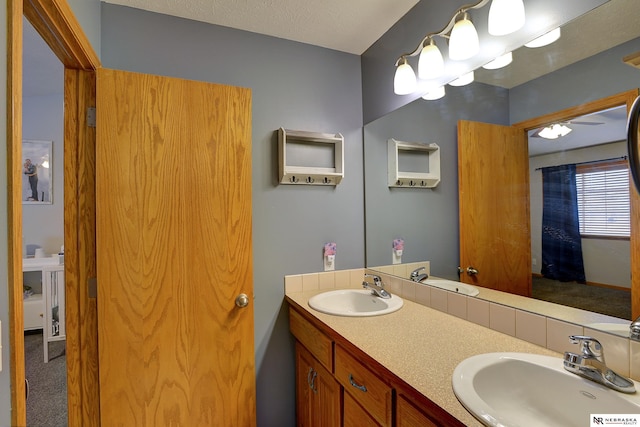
(434, 94)
(430, 62)
(404, 81)
(464, 79)
(463, 42)
(554, 131)
(499, 62)
(544, 39)
(505, 17)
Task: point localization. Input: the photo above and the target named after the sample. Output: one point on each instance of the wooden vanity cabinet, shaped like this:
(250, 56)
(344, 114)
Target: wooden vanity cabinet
(317, 392)
(336, 386)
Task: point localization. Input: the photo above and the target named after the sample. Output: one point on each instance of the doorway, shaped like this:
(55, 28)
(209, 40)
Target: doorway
(57, 26)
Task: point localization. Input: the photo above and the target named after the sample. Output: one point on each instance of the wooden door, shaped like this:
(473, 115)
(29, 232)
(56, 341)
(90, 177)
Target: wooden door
(174, 249)
(495, 229)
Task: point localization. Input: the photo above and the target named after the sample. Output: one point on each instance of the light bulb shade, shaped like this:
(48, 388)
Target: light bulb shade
(554, 131)
(499, 62)
(463, 42)
(434, 94)
(404, 81)
(544, 39)
(430, 62)
(505, 17)
(464, 79)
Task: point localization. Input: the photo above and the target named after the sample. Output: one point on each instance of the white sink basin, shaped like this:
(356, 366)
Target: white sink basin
(452, 285)
(354, 302)
(521, 389)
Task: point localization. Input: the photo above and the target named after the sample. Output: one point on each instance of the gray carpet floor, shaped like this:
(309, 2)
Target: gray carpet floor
(47, 401)
(612, 302)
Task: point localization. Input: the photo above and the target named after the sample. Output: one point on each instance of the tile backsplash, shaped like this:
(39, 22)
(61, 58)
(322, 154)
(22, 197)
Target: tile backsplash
(622, 354)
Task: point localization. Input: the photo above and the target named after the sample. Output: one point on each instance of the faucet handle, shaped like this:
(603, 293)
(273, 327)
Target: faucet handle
(376, 279)
(589, 347)
(415, 272)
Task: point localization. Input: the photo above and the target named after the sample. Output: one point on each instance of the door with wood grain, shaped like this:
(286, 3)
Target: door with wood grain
(174, 252)
(493, 179)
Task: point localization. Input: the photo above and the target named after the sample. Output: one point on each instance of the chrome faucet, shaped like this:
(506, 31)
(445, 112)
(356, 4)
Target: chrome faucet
(377, 287)
(417, 277)
(590, 364)
(634, 330)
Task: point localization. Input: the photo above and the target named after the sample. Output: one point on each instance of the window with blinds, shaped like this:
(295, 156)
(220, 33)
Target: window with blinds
(603, 199)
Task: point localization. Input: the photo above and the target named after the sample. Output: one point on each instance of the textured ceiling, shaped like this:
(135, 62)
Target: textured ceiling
(346, 25)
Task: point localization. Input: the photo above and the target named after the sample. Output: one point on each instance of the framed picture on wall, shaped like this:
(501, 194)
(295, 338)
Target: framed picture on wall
(37, 171)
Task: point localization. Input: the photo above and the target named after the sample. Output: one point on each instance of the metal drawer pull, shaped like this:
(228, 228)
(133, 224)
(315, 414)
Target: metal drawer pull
(311, 379)
(356, 385)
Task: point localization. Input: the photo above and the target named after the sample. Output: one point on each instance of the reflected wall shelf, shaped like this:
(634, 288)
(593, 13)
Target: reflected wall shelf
(428, 178)
(310, 145)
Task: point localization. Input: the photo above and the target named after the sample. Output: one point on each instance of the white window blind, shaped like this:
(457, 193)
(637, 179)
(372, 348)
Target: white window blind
(603, 199)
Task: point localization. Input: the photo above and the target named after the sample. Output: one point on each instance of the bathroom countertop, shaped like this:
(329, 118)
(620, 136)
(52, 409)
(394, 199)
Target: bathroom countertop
(421, 346)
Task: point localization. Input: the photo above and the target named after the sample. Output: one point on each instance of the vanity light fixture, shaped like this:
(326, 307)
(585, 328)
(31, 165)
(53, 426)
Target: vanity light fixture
(404, 81)
(505, 17)
(499, 62)
(554, 131)
(463, 42)
(544, 39)
(430, 62)
(463, 80)
(434, 94)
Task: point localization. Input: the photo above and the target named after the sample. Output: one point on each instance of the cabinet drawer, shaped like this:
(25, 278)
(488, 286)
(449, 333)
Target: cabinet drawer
(318, 344)
(33, 310)
(364, 386)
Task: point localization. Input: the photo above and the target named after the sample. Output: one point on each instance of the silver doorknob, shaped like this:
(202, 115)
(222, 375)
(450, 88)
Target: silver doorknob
(242, 300)
(471, 271)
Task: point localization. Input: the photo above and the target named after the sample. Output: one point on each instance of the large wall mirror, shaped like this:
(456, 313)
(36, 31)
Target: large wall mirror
(585, 65)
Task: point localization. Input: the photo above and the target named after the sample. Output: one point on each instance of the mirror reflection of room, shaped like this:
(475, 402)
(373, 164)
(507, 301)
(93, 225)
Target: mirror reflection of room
(539, 82)
(43, 239)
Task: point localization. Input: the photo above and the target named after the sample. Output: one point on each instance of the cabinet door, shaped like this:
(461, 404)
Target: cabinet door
(317, 392)
(355, 415)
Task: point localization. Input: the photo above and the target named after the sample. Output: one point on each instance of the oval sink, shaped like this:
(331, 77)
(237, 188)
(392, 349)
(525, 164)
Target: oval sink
(354, 302)
(521, 389)
(452, 285)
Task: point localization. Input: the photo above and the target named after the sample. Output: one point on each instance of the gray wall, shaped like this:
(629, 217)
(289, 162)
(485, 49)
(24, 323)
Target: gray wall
(295, 86)
(5, 380)
(427, 219)
(593, 78)
(43, 119)
(431, 16)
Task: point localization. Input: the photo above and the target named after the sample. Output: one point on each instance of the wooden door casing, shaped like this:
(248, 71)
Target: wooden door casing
(495, 230)
(174, 250)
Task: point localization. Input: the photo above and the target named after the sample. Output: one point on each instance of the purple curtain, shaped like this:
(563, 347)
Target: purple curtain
(561, 242)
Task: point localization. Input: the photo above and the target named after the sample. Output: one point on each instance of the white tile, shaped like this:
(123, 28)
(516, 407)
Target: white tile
(423, 295)
(457, 305)
(478, 311)
(502, 319)
(310, 282)
(439, 299)
(558, 335)
(293, 283)
(531, 327)
(327, 280)
(409, 290)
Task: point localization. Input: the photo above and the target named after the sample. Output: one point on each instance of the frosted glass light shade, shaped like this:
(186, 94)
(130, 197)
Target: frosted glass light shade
(463, 42)
(544, 39)
(434, 94)
(430, 62)
(505, 17)
(404, 81)
(464, 79)
(499, 62)
(554, 131)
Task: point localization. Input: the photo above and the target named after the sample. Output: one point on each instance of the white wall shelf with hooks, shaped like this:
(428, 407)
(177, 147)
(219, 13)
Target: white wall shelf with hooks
(428, 156)
(315, 146)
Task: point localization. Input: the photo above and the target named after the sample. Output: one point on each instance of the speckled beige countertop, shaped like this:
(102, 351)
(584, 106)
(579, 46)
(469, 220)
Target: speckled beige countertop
(422, 346)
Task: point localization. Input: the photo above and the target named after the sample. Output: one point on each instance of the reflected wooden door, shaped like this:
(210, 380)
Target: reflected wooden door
(495, 236)
(174, 250)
